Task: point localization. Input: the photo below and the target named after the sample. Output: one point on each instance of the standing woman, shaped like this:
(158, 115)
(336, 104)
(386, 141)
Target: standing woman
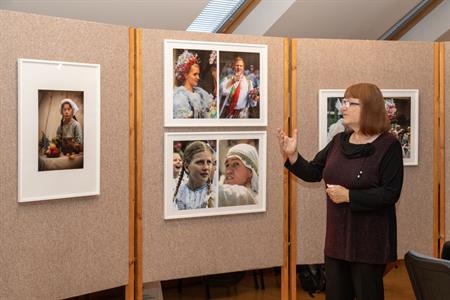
(363, 172)
(190, 100)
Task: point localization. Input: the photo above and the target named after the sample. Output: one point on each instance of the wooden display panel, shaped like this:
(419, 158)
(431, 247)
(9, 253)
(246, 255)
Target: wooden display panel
(207, 245)
(66, 247)
(336, 64)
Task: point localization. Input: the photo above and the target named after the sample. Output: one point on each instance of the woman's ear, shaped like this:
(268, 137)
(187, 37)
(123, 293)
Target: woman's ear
(250, 174)
(185, 167)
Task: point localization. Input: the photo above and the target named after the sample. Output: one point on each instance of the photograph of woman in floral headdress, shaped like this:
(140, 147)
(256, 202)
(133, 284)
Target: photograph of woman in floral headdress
(194, 94)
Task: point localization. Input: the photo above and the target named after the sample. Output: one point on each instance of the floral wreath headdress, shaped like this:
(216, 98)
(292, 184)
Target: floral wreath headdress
(184, 63)
(391, 109)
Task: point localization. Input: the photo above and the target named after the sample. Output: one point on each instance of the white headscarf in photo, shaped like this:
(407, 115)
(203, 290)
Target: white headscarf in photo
(72, 104)
(249, 157)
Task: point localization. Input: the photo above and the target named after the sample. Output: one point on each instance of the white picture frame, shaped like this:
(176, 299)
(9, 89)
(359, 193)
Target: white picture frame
(406, 102)
(58, 77)
(221, 143)
(256, 56)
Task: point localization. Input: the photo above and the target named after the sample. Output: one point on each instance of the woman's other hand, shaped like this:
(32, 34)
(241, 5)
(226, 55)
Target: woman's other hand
(338, 194)
(288, 144)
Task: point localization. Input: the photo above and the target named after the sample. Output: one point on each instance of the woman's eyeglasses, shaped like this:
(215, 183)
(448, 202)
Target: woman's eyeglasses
(347, 103)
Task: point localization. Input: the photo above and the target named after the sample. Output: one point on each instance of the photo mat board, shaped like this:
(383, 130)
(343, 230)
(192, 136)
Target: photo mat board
(59, 157)
(402, 107)
(215, 173)
(214, 84)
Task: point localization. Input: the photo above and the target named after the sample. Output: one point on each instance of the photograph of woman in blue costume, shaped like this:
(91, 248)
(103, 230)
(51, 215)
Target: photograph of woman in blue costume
(194, 96)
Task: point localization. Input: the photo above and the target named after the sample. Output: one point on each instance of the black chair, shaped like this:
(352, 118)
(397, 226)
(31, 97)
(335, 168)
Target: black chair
(430, 277)
(446, 251)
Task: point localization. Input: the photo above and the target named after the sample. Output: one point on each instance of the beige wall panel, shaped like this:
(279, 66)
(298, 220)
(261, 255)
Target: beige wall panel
(447, 138)
(206, 245)
(336, 64)
(62, 248)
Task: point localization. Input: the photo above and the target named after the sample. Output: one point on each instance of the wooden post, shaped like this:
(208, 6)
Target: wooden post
(292, 181)
(138, 129)
(286, 239)
(129, 289)
(441, 237)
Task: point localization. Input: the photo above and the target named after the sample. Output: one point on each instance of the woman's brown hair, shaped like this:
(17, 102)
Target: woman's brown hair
(373, 117)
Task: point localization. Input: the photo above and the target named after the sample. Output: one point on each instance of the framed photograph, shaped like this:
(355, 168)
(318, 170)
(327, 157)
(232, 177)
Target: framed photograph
(215, 173)
(403, 111)
(58, 129)
(214, 84)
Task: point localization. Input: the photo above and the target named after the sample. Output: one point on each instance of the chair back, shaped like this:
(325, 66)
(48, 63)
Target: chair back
(446, 251)
(430, 277)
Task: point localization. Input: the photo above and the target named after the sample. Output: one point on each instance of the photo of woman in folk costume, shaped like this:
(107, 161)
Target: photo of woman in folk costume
(189, 99)
(198, 191)
(239, 183)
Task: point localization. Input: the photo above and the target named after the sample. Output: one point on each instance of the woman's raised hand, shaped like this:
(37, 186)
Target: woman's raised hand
(288, 144)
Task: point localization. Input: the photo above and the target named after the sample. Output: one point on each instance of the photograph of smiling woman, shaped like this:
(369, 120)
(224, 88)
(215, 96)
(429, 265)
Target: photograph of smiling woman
(193, 95)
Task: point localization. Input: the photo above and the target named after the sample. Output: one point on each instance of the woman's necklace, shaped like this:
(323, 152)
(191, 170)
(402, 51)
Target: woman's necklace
(362, 139)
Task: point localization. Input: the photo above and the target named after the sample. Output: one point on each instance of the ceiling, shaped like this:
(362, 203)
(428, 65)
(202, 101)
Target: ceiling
(341, 19)
(157, 14)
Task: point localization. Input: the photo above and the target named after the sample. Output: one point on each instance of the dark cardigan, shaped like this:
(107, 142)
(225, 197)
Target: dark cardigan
(365, 229)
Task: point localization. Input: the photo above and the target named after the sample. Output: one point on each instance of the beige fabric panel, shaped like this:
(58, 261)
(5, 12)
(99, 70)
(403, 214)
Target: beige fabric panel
(61, 248)
(336, 64)
(447, 139)
(206, 245)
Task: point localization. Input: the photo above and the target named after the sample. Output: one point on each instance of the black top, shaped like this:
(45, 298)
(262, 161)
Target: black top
(373, 173)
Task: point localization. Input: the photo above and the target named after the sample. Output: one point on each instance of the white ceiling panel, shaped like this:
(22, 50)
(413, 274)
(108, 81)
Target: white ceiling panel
(339, 19)
(162, 14)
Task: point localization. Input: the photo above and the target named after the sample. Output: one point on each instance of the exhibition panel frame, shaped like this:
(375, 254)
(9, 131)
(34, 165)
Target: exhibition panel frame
(77, 245)
(217, 244)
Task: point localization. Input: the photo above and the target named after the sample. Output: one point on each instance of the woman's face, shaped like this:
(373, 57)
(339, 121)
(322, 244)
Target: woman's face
(193, 76)
(177, 164)
(236, 172)
(67, 111)
(351, 112)
(200, 168)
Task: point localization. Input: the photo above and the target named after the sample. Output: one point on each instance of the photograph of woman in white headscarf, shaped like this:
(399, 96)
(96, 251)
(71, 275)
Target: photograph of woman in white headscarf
(238, 183)
(60, 130)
